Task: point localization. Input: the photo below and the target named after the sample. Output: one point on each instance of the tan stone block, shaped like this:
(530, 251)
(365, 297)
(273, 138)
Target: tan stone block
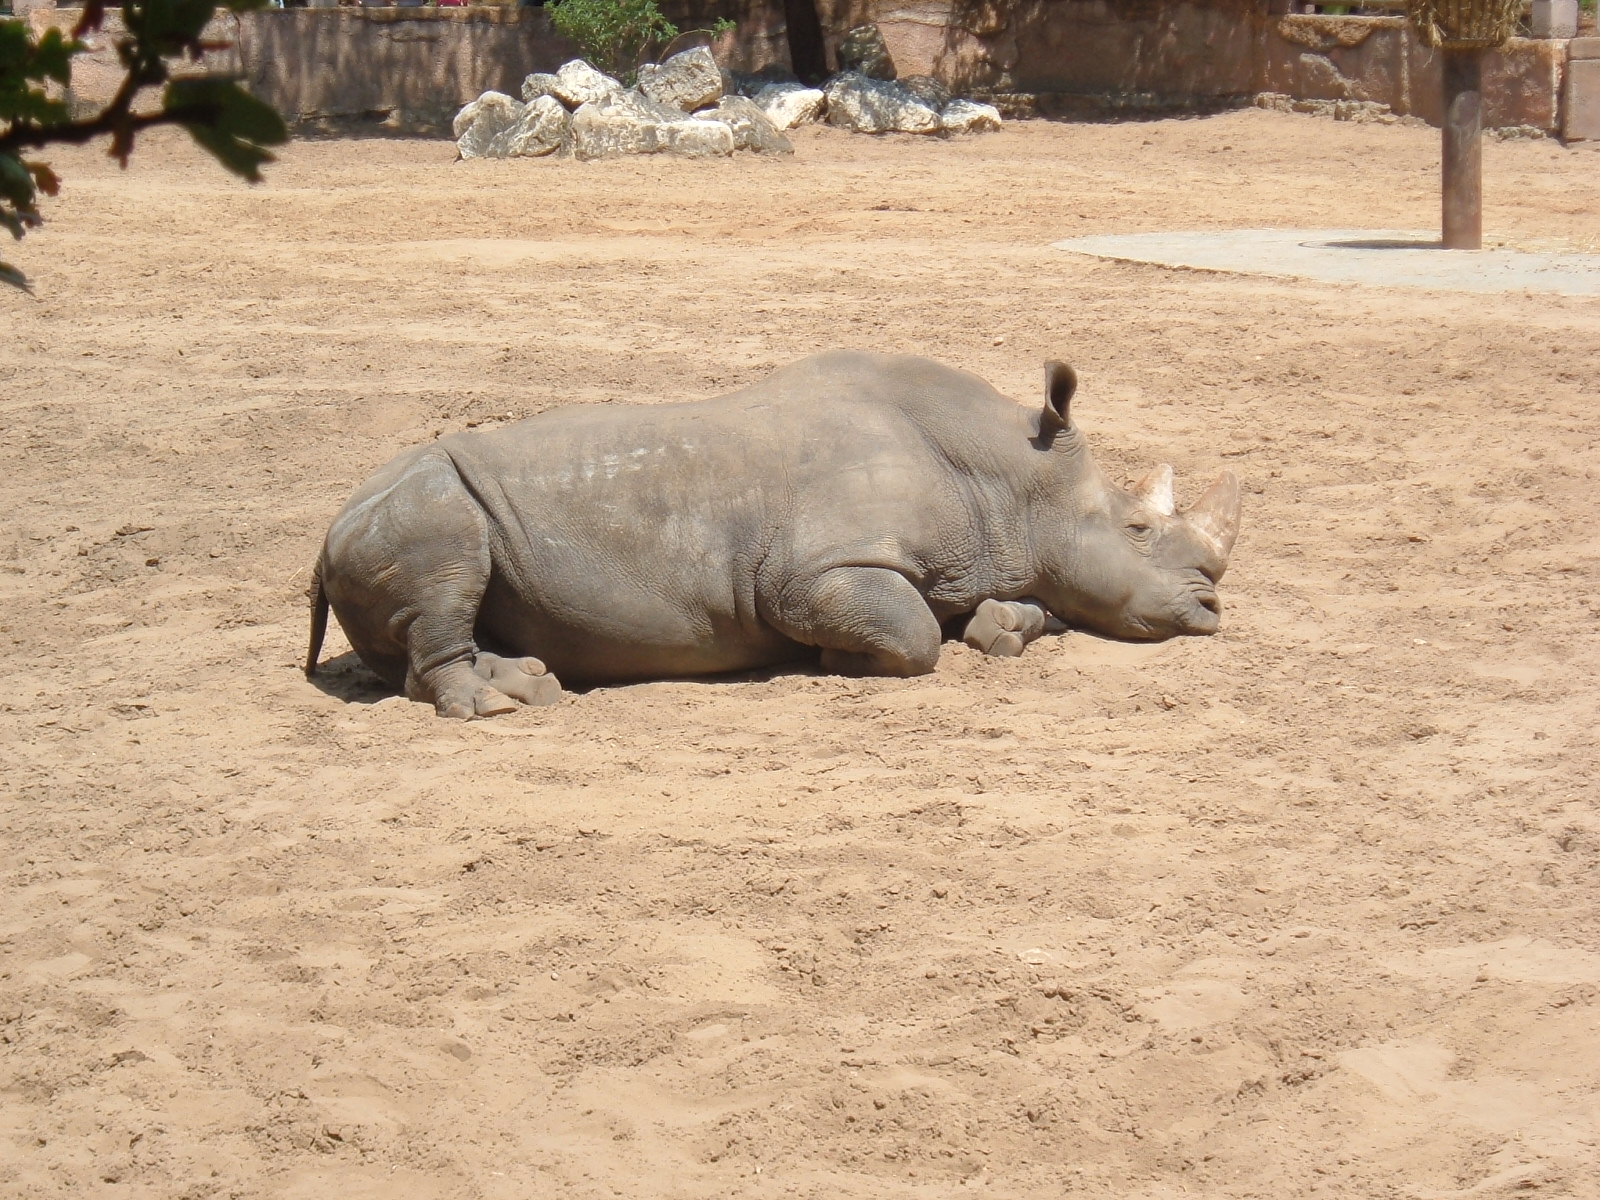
(1582, 119)
(1583, 48)
(1554, 18)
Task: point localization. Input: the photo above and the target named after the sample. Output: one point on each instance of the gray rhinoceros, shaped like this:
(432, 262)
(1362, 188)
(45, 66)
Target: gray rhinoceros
(857, 503)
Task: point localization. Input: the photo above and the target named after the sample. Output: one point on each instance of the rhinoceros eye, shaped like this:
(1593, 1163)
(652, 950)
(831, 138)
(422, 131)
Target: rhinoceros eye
(1138, 528)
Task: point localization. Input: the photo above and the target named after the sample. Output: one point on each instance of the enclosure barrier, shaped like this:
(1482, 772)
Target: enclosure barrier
(412, 68)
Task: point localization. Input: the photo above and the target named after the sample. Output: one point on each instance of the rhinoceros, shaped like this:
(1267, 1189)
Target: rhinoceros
(853, 503)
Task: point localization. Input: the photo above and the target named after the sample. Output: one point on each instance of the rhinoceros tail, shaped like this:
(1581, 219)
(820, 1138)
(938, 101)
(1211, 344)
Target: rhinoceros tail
(319, 618)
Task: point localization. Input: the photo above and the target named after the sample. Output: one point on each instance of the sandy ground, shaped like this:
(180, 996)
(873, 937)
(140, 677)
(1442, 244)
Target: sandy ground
(1312, 906)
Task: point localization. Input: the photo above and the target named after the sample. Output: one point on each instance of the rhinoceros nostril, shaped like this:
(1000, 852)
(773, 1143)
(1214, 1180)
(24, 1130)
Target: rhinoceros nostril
(1207, 600)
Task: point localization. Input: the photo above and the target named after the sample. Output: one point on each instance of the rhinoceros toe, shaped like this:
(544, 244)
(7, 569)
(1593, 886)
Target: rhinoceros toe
(482, 702)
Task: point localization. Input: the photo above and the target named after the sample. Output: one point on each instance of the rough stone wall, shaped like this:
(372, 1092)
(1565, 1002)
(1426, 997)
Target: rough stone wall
(1176, 50)
(1156, 53)
(1171, 52)
(1377, 58)
(412, 67)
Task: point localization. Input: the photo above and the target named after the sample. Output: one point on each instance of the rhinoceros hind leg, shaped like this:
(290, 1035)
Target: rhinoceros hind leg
(405, 568)
(867, 620)
(523, 679)
(1003, 628)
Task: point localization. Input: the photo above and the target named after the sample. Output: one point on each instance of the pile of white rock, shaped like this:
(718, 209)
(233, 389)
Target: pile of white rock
(688, 106)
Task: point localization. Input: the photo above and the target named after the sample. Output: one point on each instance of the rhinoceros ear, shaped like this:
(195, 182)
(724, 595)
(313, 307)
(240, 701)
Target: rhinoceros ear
(1060, 381)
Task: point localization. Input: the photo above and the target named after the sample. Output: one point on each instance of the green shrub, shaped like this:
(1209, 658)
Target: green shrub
(613, 34)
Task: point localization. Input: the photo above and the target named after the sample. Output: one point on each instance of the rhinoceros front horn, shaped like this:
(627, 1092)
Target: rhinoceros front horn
(1216, 513)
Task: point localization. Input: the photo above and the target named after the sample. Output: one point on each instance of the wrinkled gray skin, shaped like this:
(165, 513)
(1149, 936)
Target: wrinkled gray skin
(852, 502)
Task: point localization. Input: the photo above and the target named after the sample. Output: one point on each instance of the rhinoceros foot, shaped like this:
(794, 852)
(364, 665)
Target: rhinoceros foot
(1003, 628)
(524, 679)
(493, 685)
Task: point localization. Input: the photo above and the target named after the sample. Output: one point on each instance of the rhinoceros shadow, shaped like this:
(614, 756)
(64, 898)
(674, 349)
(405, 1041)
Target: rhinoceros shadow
(347, 678)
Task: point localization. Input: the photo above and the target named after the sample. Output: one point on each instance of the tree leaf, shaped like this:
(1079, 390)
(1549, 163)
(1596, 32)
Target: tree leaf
(16, 183)
(36, 108)
(52, 57)
(230, 123)
(46, 180)
(14, 53)
(243, 159)
(10, 274)
(612, 33)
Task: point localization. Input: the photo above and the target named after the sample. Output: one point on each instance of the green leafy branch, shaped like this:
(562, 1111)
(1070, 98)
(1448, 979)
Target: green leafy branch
(228, 122)
(612, 33)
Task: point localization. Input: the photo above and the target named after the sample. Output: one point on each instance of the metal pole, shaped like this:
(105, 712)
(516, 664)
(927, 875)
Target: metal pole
(1462, 183)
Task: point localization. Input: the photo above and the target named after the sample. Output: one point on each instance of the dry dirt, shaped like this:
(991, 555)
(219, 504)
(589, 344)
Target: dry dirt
(1312, 906)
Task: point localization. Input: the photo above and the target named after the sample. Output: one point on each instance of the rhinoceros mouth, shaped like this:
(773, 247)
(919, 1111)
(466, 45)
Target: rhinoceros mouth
(1203, 613)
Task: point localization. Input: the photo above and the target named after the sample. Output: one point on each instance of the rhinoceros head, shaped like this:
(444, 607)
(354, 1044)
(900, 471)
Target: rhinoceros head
(1127, 564)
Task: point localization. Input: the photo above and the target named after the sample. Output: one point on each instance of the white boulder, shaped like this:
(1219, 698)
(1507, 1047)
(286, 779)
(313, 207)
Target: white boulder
(605, 128)
(862, 51)
(968, 116)
(478, 124)
(693, 138)
(791, 104)
(686, 81)
(544, 127)
(577, 83)
(540, 83)
(751, 129)
(924, 87)
(878, 106)
(612, 120)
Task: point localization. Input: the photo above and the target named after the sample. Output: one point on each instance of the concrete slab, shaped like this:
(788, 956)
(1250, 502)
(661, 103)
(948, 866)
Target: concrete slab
(1377, 257)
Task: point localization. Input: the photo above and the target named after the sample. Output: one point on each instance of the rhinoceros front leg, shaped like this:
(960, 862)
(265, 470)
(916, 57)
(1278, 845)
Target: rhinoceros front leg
(1004, 628)
(867, 621)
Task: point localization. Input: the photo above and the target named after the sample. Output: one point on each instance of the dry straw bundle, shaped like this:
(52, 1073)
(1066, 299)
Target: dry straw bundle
(1464, 24)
